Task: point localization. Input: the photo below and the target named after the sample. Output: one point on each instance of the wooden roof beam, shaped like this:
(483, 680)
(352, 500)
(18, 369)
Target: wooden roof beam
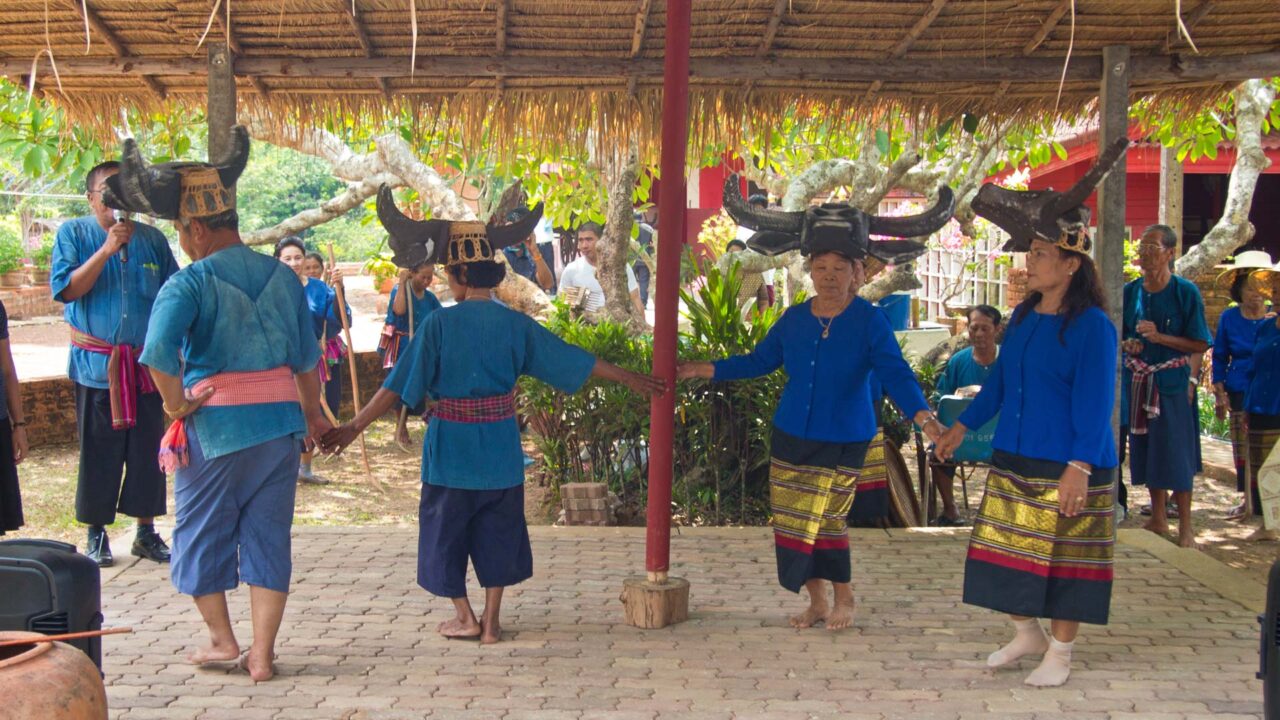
(1174, 37)
(1047, 26)
(362, 37)
(113, 42)
(916, 30)
(1147, 69)
(771, 30)
(504, 6)
(642, 24)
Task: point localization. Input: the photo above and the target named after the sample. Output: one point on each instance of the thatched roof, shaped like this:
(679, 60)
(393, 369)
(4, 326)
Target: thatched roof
(546, 66)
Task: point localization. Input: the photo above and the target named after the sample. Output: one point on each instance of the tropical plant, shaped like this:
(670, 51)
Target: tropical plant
(381, 268)
(11, 251)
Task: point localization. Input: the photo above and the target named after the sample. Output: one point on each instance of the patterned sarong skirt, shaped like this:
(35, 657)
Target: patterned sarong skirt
(1026, 559)
(811, 490)
(1264, 431)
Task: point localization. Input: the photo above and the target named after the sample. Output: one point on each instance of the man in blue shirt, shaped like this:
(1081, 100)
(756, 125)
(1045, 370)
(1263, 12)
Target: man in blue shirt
(1163, 325)
(108, 272)
(529, 259)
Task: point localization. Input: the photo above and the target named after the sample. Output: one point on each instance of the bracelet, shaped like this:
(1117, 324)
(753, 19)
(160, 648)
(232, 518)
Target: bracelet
(174, 413)
(19, 423)
(1080, 467)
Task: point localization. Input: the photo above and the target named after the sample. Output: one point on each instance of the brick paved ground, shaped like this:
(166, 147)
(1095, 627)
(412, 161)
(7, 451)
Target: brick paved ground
(359, 641)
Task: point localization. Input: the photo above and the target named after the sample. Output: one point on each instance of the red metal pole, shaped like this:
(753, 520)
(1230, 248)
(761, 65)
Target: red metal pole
(671, 210)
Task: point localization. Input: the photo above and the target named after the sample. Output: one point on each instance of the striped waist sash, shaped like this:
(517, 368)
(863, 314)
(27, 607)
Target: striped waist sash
(475, 410)
(1144, 399)
(125, 377)
(229, 388)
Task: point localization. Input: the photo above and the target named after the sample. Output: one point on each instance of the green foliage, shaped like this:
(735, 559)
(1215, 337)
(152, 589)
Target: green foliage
(1209, 423)
(1198, 135)
(42, 256)
(722, 429)
(11, 251)
(381, 268)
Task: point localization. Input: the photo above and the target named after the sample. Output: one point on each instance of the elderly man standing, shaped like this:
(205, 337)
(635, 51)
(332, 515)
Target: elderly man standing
(1163, 324)
(107, 272)
(233, 351)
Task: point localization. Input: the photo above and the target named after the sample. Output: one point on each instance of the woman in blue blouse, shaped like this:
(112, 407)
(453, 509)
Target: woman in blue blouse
(1043, 541)
(468, 358)
(828, 346)
(323, 303)
(1262, 399)
(1233, 355)
(410, 303)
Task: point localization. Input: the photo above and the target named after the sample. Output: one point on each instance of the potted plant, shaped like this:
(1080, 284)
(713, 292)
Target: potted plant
(384, 272)
(41, 260)
(11, 255)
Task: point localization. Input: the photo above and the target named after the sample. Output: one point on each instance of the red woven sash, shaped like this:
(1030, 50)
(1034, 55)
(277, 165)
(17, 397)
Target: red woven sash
(1144, 400)
(125, 377)
(475, 410)
(230, 388)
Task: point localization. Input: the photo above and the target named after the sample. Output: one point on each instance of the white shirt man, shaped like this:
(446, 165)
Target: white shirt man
(581, 273)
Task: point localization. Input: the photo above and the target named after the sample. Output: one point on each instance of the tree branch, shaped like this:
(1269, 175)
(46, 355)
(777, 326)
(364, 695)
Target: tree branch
(354, 195)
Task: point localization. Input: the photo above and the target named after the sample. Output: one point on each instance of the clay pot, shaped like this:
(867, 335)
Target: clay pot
(49, 680)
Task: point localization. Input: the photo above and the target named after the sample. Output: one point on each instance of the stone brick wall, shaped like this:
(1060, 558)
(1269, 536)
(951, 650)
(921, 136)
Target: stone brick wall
(1017, 286)
(51, 403)
(1217, 296)
(28, 302)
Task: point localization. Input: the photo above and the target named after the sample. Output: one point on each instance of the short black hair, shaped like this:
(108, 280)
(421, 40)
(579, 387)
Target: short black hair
(758, 199)
(987, 310)
(735, 243)
(1168, 236)
(592, 227)
(317, 257)
(226, 220)
(1238, 285)
(482, 274)
(290, 241)
(96, 170)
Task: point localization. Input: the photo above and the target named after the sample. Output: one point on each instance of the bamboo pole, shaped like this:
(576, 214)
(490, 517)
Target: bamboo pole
(351, 364)
(66, 636)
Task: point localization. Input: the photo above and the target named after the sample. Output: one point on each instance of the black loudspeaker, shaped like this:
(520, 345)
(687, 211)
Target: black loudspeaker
(1269, 649)
(47, 587)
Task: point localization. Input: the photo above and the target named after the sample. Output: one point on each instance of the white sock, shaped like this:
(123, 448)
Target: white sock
(1055, 668)
(1029, 639)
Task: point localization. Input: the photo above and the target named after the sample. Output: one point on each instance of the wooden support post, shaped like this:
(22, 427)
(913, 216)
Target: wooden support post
(1113, 99)
(658, 600)
(653, 604)
(1171, 193)
(221, 104)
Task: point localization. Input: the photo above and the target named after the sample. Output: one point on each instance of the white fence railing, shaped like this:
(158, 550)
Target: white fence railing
(975, 275)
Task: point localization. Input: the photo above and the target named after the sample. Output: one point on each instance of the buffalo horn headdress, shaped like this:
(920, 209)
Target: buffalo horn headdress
(1059, 218)
(414, 242)
(836, 227)
(177, 190)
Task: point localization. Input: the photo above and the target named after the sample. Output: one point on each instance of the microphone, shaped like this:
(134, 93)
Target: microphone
(124, 249)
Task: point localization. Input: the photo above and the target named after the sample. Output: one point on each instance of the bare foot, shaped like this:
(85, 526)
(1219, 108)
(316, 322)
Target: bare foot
(1187, 538)
(813, 615)
(457, 629)
(260, 667)
(841, 617)
(1159, 529)
(492, 633)
(214, 653)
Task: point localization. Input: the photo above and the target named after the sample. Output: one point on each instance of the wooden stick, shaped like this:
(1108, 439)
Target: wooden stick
(351, 363)
(66, 636)
(404, 409)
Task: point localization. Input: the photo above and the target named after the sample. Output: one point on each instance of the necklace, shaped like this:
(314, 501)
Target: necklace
(826, 326)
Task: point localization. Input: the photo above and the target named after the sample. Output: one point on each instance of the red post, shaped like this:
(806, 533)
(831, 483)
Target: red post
(671, 210)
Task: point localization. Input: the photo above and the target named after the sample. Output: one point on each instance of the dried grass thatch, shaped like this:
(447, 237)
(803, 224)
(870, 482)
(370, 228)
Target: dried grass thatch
(753, 58)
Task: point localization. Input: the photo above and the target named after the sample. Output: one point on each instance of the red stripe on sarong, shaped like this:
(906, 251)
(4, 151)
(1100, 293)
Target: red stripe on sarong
(1013, 563)
(833, 544)
(790, 543)
(1078, 572)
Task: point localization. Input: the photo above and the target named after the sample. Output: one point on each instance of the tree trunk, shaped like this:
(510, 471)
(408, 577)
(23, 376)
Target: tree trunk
(901, 279)
(1253, 100)
(611, 251)
(330, 209)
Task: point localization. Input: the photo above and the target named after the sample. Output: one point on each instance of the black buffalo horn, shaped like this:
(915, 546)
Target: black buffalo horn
(501, 236)
(1085, 185)
(747, 216)
(230, 167)
(920, 225)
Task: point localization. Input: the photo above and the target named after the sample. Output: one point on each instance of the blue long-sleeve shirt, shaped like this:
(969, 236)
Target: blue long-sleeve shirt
(234, 311)
(422, 307)
(1233, 349)
(116, 309)
(1055, 397)
(1263, 396)
(322, 300)
(828, 395)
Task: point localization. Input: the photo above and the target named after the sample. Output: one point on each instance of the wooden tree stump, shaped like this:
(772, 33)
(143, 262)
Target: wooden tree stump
(654, 605)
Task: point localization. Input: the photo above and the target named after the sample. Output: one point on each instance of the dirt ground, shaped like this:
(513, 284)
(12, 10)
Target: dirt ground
(48, 485)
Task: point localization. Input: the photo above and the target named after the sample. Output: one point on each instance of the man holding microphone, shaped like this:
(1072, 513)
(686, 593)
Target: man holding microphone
(107, 272)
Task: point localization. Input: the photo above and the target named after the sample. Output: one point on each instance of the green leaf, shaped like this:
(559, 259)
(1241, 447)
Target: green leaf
(882, 142)
(1059, 150)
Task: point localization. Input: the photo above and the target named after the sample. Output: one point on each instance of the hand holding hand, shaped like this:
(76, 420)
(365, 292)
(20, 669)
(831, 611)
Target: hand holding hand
(646, 385)
(334, 441)
(950, 440)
